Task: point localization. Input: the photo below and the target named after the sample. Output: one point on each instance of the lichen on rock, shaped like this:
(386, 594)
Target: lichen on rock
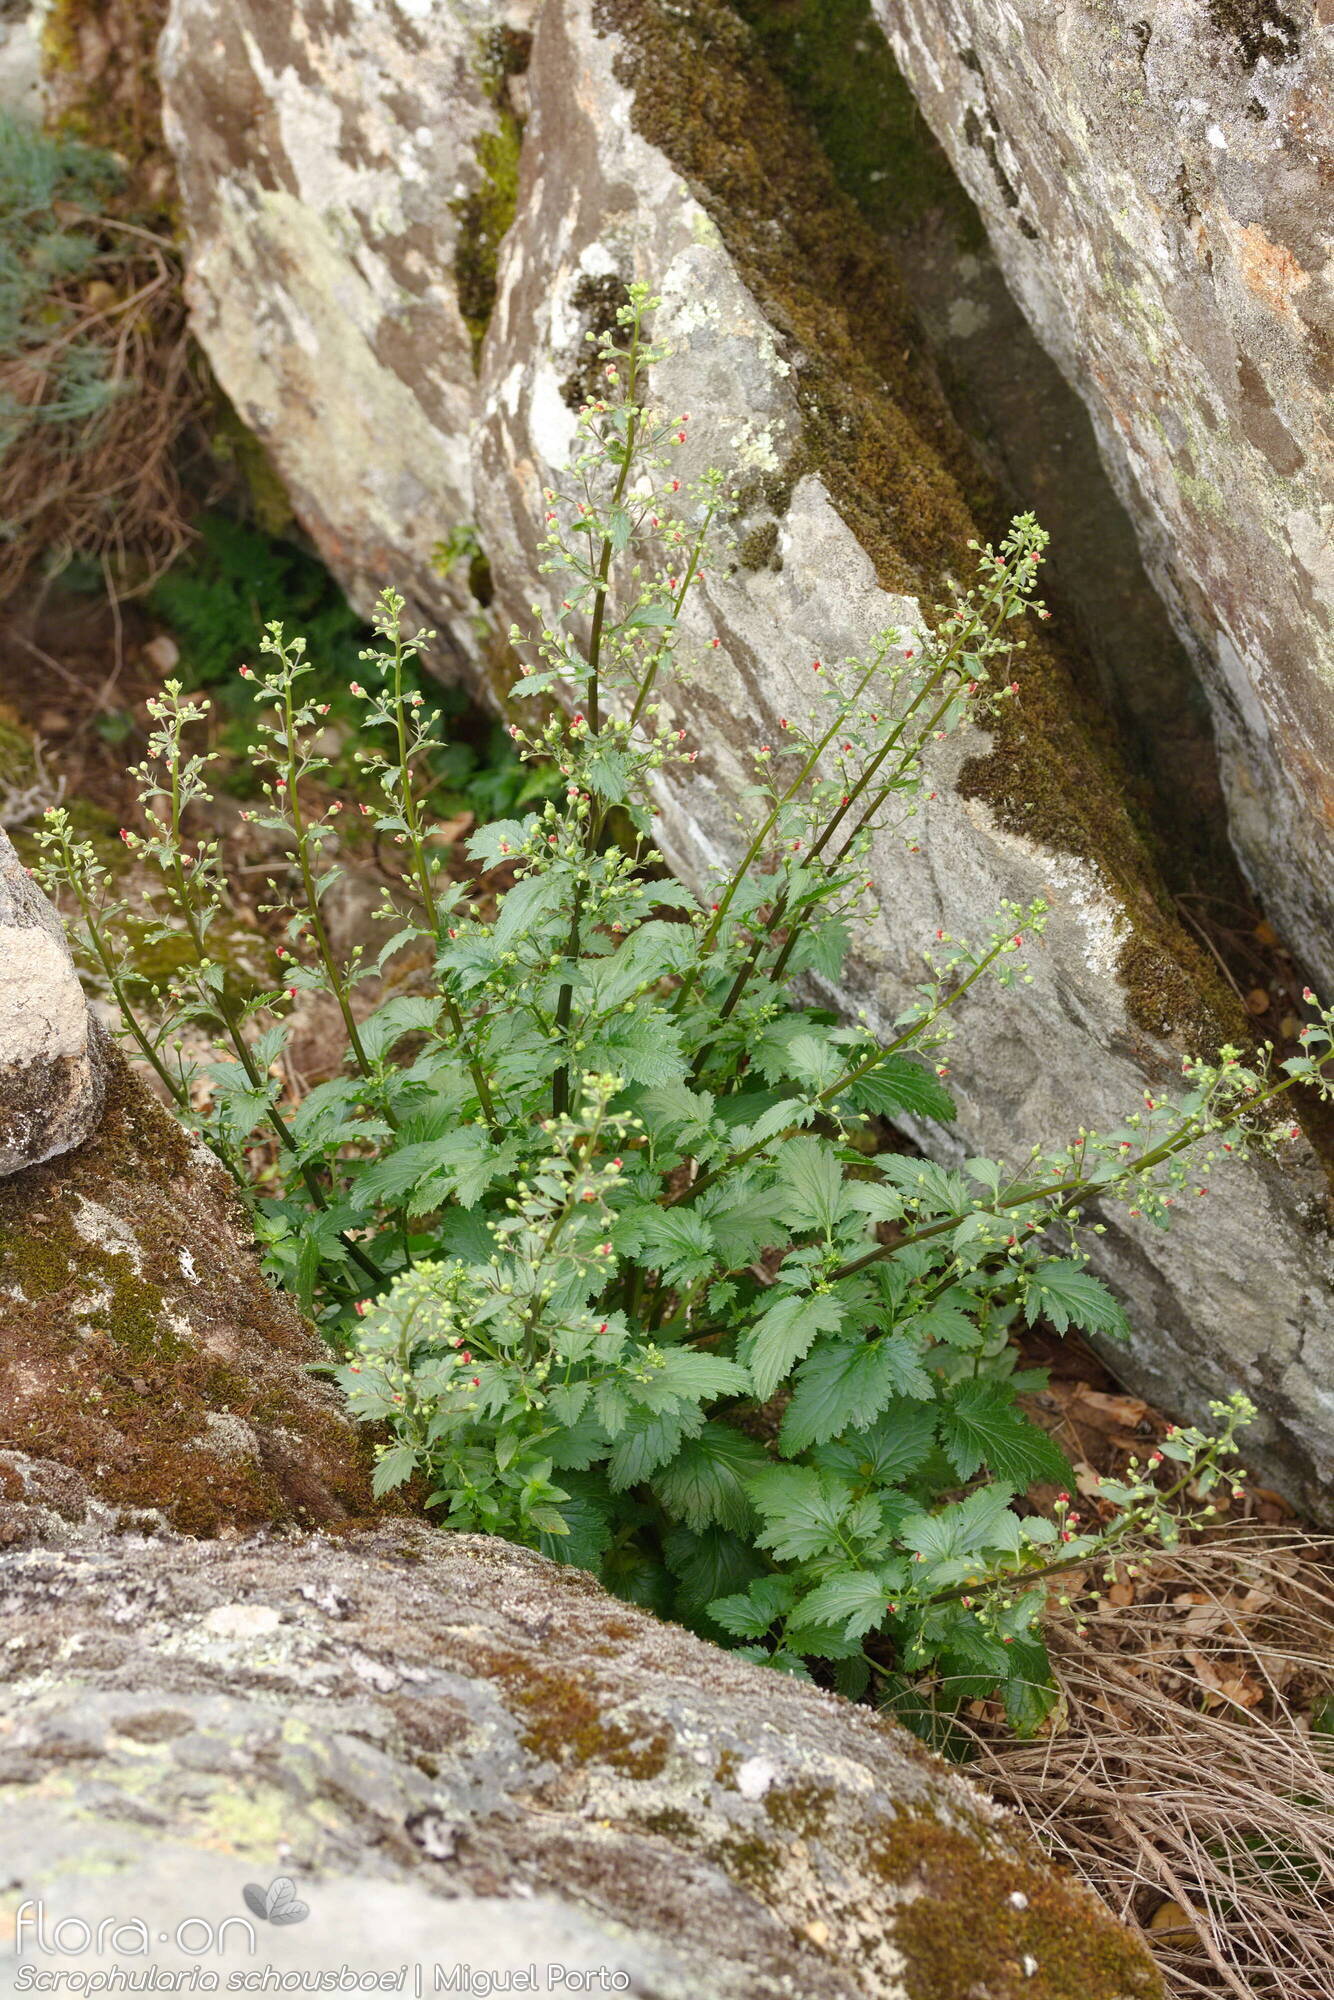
(1174, 171)
(461, 1752)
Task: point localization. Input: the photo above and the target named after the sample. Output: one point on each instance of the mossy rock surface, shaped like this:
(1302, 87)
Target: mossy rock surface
(141, 1347)
(878, 430)
(462, 1753)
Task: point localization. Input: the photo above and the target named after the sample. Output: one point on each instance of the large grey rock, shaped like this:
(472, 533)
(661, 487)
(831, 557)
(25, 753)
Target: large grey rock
(51, 1063)
(657, 146)
(460, 1755)
(1155, 182)
(341, 169)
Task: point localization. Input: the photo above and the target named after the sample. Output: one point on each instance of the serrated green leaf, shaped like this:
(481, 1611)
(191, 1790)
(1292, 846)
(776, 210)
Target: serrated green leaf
(897, 1083)
(608, 774)
(947, 1323)
(524, 907)
(586, 1517)
(813, 1062)
(705, 1482)
(849, 1382)
(393, 1468)
(749, 1615)
(409, 1013)
(803, 1510)
(500, 840)
(964, 1531)
(980, 1425)
(888, 1451)
(936, 1190)
(810, 1180)
(678, 1242)
(854, 1603)
(711, 1563)
(784, 1334)
(744, 1220)
(683, 1372)
(648, 1441)
(1067, 1295)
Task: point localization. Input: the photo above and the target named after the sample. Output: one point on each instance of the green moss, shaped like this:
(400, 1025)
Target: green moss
(759, 549)
(725, 1771)
(802, 1809)
(100, 62)
(1260, 28)
(597, 302)
(838, 67)
(484, 214)
(748, 1860)
(565, 1723)
(36, 1263)
(136, 1319)
(962, 1933)
(670, 1822)
(877, 430)
(125, 1393)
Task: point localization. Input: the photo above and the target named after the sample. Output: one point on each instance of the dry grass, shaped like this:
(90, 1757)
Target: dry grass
(108, 487)
(1186, 1774)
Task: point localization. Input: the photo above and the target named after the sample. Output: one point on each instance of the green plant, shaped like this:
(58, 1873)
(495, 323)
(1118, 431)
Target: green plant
(236, 581)
(219, 596)
(98, 381)
(53, 372)
(599, 1218)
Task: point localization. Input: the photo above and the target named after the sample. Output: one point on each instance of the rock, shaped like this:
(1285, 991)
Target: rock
(162, 654)
(51, 1062)
(144, 1357)
(21, 90)
(453, 1753)
(1156, 191)
(659, 146)
(343, 228)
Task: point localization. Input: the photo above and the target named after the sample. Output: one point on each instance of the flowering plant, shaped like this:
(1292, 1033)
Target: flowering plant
(602, 1219)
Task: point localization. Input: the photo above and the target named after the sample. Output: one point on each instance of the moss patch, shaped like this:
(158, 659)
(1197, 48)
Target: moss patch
(141, 1347)
(565, 1725)
(1258, 28)
(878, 430)
(838, 68)
(597, 301)
(961, 1933)
(100, 61)
(759, 549)
(485, 214)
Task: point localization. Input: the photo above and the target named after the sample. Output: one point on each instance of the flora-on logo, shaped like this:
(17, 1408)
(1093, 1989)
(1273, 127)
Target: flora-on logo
(278, 1904)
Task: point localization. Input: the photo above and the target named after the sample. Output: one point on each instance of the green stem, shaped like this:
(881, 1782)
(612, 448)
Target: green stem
(422, 870)
(560, 1082)
(761, 837)
(1133, 1518)
(1064, 1192)
(331, 971)
(692, 567)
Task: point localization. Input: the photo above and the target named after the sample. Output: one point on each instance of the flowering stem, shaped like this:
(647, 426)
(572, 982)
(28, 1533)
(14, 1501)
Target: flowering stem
(303, 838)
(1063, 1192)
(422, 870)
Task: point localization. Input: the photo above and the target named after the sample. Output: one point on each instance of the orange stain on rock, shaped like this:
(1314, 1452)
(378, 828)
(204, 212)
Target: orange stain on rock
(1269, 270)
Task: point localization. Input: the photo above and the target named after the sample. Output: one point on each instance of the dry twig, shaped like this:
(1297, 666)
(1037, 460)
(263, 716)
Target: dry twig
(1182, 1775)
